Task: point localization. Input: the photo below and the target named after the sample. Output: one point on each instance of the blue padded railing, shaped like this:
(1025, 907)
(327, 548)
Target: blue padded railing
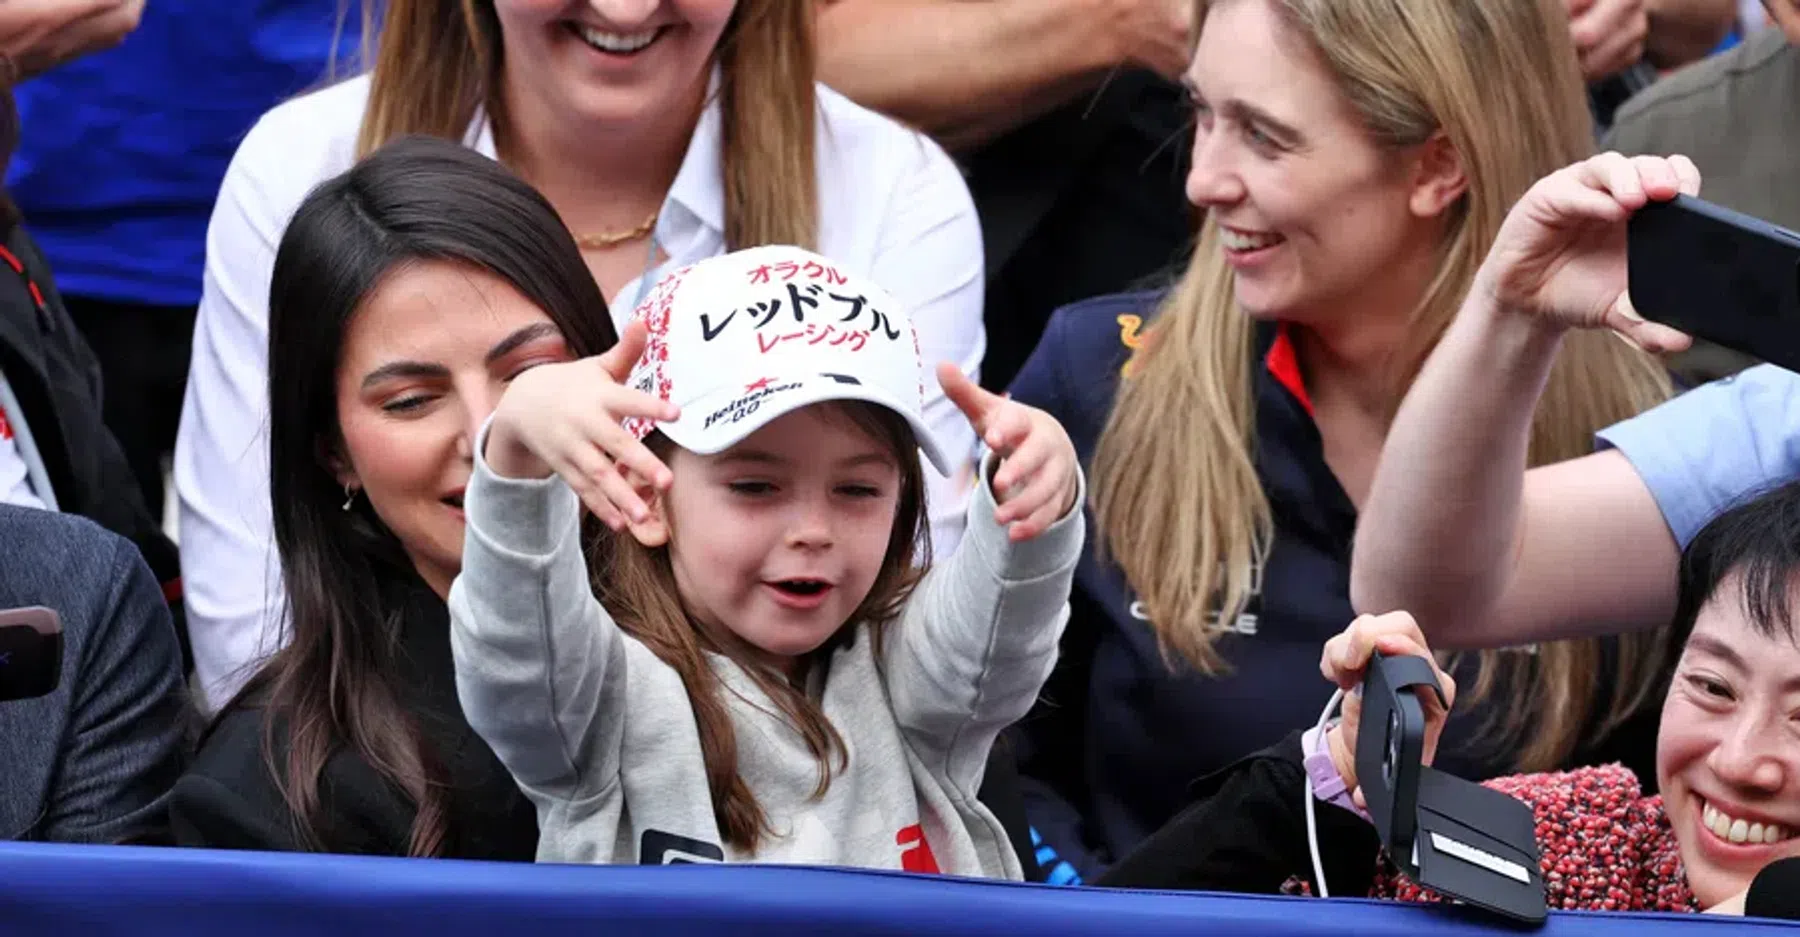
(96, 891)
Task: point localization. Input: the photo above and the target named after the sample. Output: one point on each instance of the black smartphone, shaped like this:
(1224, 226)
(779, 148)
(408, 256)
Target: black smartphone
(1719, 275)
(1467, 842)
(31, 651)
(1390, 746)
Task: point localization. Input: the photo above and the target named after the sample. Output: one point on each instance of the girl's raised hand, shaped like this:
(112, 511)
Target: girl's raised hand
(1037, 480)
(566, 418)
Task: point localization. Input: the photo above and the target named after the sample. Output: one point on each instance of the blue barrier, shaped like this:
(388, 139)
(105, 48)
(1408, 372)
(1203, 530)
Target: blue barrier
(94, 891)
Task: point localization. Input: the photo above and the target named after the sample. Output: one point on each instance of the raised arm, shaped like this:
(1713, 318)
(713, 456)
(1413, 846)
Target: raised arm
(980, 636)
(1455, 530)
(967, 71)
(540, 666)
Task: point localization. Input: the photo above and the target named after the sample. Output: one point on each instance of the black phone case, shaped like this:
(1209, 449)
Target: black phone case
(30, 661)
(1717, 274)
(1457, 838)
(1390, 748)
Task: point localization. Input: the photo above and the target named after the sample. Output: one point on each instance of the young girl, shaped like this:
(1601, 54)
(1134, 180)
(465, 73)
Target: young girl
(664, 132)
(763, 676)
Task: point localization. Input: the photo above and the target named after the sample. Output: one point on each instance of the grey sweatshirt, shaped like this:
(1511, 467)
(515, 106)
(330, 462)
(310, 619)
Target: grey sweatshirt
(601, 736)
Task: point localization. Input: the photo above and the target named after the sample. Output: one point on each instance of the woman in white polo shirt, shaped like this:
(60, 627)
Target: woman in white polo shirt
(663, 131)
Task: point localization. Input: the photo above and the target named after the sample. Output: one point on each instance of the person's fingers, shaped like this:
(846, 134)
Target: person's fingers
(1653, 337)
(1585, 26)
(1035, 498)
(618, 360)
(1659, 177)
(581, 468)
(1579, 193)
(630, 453)
(1401, 624)
(975, 403)
(1686, 173)
(1613, 55)
(1609, 21)
(1395, 644)
(621, 402)
(1050, 509)
(1609, 174)
(1020, 465)
(1328, 657)
(1009, 427)
(1619, 177)
(1031, 525)
(1046, 515)
(626, 498)
(1347, 654)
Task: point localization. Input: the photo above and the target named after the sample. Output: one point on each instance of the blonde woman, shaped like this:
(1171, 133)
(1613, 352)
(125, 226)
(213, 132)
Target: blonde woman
(1354, 159)
(662, 132)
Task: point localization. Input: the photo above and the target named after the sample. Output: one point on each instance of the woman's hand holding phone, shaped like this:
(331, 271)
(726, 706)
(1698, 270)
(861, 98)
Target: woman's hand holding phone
(1346, 659)
(1559, 256)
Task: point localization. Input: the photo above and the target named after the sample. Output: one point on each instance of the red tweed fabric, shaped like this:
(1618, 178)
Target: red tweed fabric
(1606, 847)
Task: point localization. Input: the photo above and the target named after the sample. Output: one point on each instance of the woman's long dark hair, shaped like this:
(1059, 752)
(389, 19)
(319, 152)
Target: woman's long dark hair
(332, 687)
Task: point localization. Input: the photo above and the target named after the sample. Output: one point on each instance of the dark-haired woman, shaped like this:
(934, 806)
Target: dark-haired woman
(406, 294)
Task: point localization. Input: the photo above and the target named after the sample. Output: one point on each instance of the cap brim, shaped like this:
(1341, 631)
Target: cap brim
(720, 420)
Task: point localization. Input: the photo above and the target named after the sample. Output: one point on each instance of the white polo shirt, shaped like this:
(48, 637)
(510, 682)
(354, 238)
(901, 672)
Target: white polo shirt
(892, 206)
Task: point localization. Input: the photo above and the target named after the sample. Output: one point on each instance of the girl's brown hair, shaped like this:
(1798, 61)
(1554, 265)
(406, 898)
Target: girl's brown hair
(437, 62)
(637, 586)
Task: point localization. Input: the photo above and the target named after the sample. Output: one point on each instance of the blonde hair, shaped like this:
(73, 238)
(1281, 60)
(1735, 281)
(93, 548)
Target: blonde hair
(1176, 493)
(438, 61)
(637, 586)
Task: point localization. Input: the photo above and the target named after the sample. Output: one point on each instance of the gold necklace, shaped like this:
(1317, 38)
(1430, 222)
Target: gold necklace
(615, 238)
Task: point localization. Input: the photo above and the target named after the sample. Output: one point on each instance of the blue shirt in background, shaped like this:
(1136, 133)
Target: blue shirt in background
(122, 152)
(1721, 443)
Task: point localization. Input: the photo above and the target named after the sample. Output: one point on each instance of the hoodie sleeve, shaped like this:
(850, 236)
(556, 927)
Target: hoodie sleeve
(979, 637)
(540, 666)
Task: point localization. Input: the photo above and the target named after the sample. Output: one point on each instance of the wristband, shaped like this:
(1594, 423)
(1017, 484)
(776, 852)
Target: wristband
(1328, 784)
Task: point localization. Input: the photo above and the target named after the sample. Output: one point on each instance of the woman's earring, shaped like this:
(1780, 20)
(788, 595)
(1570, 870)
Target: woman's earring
(349, 496)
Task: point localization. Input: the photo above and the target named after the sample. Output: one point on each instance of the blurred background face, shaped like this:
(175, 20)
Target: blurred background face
(618, 62)
(1312, 213)
(423, 365)
(1728, 753)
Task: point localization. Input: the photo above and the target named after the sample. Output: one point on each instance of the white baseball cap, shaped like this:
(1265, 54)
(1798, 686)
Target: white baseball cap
(740, 339)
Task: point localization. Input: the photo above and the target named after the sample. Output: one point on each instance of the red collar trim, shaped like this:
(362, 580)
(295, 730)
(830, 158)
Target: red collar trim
(1284, 366)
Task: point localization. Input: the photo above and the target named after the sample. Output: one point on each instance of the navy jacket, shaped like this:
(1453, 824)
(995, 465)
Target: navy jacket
(93, 761)
(1118, 736)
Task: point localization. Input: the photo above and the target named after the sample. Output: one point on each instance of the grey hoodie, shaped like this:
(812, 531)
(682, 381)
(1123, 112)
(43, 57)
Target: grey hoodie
(601, 736)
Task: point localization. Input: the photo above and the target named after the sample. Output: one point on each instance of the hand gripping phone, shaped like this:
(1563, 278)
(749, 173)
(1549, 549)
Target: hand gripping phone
(31, 652)
(1455, 837)
(1719, 275)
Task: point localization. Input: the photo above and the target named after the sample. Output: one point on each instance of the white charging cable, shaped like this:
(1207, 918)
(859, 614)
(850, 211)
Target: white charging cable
(1312, 822)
